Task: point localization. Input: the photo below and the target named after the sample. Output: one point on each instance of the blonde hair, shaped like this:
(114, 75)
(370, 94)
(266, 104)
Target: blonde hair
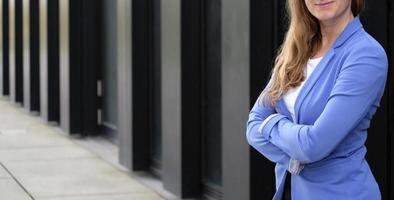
(302, 40)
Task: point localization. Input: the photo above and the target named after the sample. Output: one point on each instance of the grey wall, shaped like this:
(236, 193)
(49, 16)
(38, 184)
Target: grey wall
(124, 81)
(64, 65)
(26, 54)
(12, 48)
(43, 59)
(171, 95)
(235, 98)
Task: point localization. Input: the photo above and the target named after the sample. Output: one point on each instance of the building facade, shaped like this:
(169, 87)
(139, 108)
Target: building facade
(170, 82)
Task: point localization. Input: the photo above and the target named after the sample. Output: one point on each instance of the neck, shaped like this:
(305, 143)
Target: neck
(331, 29)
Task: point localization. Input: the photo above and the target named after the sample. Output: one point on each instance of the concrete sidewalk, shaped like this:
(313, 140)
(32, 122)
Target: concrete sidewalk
(37, 162)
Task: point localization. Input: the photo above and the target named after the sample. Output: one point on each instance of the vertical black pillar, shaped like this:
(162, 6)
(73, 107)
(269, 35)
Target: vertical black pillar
(146, 86)
(18, 51)
(279, 21)
(211, 105)
(91, 41)
(1, 49)
(84, 63)
(75, 67)
(263, 47)
(6, 58)
(390, 137)
(34, 56)
(155, 89)
(191, 95)
(262, 177)
(140, 90)
(375, 21)
(53, 61)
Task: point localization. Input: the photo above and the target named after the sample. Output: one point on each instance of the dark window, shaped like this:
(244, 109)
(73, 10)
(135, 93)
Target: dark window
(155, 88)
(211, 104)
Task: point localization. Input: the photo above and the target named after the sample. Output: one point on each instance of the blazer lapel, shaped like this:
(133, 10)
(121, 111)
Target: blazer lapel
(352, 28)
(310, 82)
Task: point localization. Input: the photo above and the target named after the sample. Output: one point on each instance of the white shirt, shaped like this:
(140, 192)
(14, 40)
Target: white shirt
(291, 96)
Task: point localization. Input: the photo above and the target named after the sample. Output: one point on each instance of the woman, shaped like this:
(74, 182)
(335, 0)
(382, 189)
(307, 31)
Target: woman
(313, 116)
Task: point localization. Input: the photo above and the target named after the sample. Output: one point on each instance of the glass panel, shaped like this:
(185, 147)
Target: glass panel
(212, 156)
(109, 73)
(155, 95)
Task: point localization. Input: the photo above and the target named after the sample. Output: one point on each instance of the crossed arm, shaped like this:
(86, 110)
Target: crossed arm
(257, 115)
(359, 85)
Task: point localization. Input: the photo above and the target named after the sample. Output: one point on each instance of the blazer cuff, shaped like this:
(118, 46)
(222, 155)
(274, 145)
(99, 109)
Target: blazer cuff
(270, 122)
(295, 167)
(266, 121)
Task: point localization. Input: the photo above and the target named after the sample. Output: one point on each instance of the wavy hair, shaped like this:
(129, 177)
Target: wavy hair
(302, 40)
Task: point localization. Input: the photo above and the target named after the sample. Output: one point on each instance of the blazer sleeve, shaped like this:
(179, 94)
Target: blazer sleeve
(359, 85)
(257, 115)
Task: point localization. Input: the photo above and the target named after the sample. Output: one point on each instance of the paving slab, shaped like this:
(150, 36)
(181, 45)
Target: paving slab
(32, 140)
(10, 190)
(50, 165)
(16, 120)
(73, 177)
(4, 173)
(138, 196)
(44, 153)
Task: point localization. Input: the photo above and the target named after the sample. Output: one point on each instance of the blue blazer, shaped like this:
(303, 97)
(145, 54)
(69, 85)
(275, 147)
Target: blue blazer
(332, 114)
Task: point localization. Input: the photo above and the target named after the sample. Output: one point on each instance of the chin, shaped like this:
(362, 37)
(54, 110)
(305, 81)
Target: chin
(325, 16)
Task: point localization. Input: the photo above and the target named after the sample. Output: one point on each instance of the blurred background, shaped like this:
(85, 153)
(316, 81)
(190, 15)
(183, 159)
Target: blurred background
(169, 82)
